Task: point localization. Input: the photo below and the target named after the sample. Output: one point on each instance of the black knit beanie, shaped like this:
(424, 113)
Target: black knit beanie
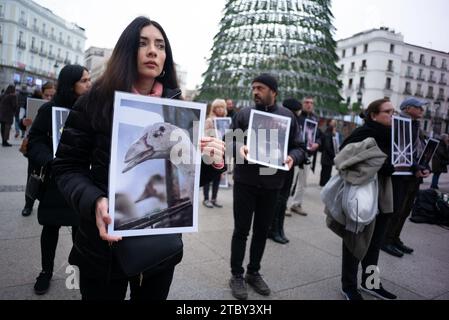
(292, 104)
(267, 80)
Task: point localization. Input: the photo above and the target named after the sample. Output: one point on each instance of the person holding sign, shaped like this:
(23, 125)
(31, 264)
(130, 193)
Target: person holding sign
(53, 210)
(405, 188)
(256, 188)
(308, 124)
(218, 110)
(141, 63)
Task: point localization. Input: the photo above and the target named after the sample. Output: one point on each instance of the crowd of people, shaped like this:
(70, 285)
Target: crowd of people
(76, 184)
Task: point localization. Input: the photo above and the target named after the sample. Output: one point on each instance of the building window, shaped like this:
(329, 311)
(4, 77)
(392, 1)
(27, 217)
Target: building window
(342, 67)
(365, 48)
(410, 57)
(430, 93)
(444, 64)
(362, 83)
(2, 14)
(388, 84)
(419, 90)
(422, 59)
(343, 53)
(352, 66)
(408, 89)
(433, 62)
(348, 101)
(390, 66)
(350, 84)
(363, 67)
(441, 94)
(409, 73)
(354, 51)
(391, 48)
(420, 74)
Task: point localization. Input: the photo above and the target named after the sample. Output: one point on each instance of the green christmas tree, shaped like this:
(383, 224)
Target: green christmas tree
(291, 39)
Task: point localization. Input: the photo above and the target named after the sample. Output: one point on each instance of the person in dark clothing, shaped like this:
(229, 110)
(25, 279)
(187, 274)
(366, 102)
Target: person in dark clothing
(300, 181)
(277, 233)
(48, 92)
(440, 160)
(8, 109)
(256, 193)
(328, 151)
(53, 210)
(141, 63)
(405, 188)
(378, 126)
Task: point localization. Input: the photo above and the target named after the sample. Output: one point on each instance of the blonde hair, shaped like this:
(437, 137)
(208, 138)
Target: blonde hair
(218, 103)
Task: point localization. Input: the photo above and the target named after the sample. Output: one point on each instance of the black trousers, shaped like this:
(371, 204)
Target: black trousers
(405, 190)
(281, 204)
(215, 186)
(49, 241)
(154, 287)
(5, 128)
(326, 173)
(249, 201)
(350, 265)
(28, 201)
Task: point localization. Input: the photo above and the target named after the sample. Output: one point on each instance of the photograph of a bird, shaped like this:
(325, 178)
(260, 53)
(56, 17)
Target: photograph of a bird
(157, 142)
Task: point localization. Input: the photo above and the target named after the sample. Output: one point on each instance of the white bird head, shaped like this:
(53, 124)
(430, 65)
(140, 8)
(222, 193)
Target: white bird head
(155, 143)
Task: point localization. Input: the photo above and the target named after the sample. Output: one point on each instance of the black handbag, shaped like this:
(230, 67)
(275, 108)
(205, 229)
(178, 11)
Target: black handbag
(148, 254)
(35, 184)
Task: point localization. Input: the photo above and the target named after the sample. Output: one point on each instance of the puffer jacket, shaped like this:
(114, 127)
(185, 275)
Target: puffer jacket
(82, 173)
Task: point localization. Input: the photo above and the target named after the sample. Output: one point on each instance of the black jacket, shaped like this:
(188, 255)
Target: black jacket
(53, 209)
(82, 173)
(381, 134)
(327, 148)
(249, 174)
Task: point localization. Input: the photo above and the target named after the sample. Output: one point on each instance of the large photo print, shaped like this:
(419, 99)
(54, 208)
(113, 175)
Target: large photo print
(268, 139)
(155, 165)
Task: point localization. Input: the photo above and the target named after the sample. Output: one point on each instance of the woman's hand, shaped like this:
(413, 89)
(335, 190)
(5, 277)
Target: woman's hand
(212, 150)
(244, 152)
(102, 219)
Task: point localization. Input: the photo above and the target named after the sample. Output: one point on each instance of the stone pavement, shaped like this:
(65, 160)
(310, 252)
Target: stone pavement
(308, 268)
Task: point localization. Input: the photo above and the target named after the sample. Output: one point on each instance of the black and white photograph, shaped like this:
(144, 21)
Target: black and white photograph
(33, 106)
(221, 125)
(309, 133)
(402, 146)
(155, 165)
(268, 139)
(59, 117)
(428, 153)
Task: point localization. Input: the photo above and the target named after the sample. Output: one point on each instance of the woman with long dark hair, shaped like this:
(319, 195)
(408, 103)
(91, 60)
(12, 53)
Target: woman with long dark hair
(141, 63)
(53, 210)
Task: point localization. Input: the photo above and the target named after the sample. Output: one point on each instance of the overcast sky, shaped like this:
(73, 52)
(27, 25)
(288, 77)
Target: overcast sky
(191, 24)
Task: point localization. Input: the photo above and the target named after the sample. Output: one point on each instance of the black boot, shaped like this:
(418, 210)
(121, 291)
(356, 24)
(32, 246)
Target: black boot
(274, 233)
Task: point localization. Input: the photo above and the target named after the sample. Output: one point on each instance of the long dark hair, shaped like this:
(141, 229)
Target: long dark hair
(65, 94)
(10, 89)
(121, 71)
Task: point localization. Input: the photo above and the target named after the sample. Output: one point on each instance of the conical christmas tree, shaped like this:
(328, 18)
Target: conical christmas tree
(291, 39)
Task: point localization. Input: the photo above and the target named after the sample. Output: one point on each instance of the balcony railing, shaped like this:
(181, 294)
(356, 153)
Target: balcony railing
(34, 49)
(363, 68)
(444, 67)
(419, 94)
(421, 78)
(21, 44)
(388, 87)
(59, 59)
(430, 95)
(423, 62)
(407, 91)
(443, 82)
(441, 97)
(67, 61)
(42, 53)
(411, 59)
(51, 56)
(432, 80)
(409, 76)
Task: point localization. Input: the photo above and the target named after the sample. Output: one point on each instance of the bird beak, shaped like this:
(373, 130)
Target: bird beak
(138, 153)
